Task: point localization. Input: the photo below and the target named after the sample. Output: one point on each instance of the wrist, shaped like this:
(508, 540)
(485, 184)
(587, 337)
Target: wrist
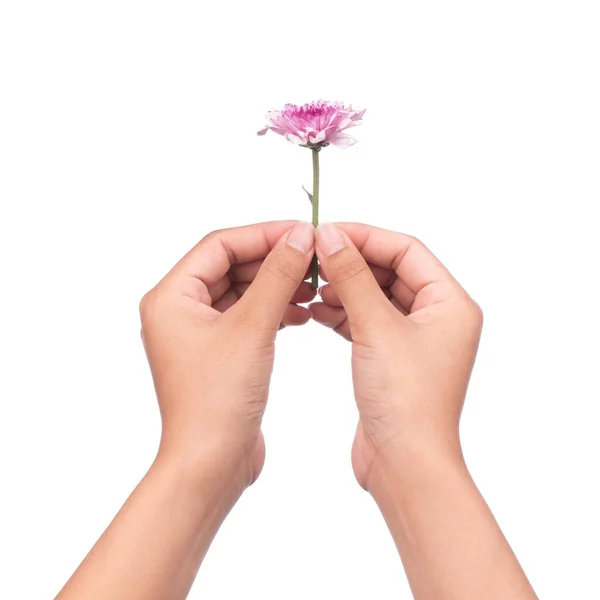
(232, 453)
(404, 464)
(218, 476)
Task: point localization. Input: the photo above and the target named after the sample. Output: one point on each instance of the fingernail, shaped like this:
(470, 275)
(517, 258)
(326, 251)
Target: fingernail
(330, 239)
(302, 237)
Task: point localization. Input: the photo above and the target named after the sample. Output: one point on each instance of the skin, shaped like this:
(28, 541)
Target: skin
(209, 329)
(414, 334)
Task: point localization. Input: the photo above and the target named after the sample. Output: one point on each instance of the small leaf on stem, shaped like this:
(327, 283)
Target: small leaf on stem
(310, 196)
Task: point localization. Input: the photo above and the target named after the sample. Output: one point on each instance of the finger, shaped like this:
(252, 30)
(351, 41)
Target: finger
(350, 277)
(329, 297)
(394, 302)
(218, 289)
(292, 315)
(279, 277)
(402, 294)
(246, 272)
(304, 293)
(425, 279)
(384, 278)
(226, 301)
(295, 315)
(322, 274)
(333, 317)
(382, 275)
(210, 260)
(240, 277)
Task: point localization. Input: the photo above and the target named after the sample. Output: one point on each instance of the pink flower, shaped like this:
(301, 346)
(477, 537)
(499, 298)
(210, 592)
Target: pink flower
(314, 125)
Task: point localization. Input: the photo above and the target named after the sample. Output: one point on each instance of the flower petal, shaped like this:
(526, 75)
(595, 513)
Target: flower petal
(341, 140)
(317, 137)
(290, 137)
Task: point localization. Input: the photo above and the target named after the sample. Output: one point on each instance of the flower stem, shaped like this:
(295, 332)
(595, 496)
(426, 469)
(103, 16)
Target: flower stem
(315, 213)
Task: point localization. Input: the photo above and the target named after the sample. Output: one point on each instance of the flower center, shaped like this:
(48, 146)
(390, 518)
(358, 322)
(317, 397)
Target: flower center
(310, 111)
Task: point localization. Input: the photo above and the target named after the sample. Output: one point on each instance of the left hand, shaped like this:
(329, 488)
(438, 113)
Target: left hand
(209, 330)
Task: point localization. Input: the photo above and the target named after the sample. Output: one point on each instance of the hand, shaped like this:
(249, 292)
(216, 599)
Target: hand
(414, 334)
(209, 329)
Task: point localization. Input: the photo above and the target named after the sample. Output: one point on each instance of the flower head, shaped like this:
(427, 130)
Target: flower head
(314, 125)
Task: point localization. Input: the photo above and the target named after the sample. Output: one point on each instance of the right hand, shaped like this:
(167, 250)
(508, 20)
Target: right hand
(414, 334)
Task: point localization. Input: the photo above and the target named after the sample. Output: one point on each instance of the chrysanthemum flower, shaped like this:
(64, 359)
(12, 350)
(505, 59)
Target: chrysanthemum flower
(314, 125)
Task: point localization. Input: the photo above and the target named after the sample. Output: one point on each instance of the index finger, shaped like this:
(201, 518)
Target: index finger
(422, 278)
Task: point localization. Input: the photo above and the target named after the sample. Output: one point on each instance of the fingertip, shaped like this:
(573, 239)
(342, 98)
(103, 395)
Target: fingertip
(330, 239)
(302, 237)
(313, 309)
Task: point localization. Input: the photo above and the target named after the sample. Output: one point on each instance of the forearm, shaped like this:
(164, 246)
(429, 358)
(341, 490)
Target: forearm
(153, 548)
(449, 541)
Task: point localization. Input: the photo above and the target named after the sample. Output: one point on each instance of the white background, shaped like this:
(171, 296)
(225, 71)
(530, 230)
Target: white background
(128, 131)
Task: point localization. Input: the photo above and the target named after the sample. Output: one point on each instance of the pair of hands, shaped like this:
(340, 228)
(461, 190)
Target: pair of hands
(209, 329)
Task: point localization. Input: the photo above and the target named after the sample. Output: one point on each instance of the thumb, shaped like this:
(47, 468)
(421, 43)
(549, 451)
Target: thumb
(350, 276)
(282, 271)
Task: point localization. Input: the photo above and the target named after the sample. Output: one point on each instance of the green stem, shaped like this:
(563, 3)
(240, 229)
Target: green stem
(315, 213)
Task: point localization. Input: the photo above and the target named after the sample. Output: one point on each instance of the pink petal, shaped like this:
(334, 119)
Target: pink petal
(316, 137)
(341, 140)
(345, 123)
(290, 137)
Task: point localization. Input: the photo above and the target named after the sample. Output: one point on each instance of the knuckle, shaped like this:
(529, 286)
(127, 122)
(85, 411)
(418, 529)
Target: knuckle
(380, 328)
(349, 269)
(145, 302)
(477, 313)
(473, 314)
(243, 317)
(217, 233)
(411, 239)
(149, 305)
(281, 268)
(406, 241)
